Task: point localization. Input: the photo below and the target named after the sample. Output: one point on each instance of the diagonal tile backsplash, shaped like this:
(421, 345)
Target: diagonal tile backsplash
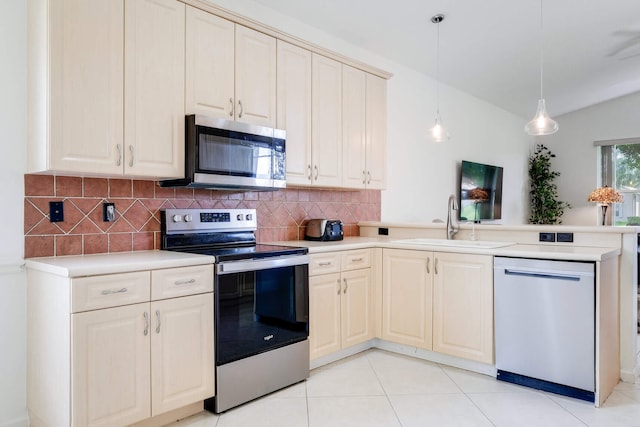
(282, 215)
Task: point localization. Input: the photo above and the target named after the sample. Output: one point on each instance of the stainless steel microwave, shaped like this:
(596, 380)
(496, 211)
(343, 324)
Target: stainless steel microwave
(229, 155)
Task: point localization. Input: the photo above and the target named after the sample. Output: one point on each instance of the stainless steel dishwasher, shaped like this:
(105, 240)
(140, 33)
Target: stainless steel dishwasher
(545, 325)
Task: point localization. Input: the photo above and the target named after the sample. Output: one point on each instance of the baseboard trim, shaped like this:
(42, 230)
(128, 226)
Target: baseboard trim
(22, 421)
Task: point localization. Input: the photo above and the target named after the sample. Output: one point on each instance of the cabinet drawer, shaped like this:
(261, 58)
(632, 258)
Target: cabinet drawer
(324, 263)
(112, 290)
(177, 282)
(354, 260)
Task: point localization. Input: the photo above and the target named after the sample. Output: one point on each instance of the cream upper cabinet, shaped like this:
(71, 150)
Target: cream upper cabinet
(110, 370)
(154, 83)
(210, 56)
(326, 122)
(294, 110)
(463, 306)
(75, 95)
(106, 87)
(182, 368)
(231, 70)
(407, 290)
(364, 129)
(354, 90)
(376, 132)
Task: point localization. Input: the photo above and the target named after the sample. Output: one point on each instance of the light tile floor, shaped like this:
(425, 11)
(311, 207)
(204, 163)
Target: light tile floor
(379, 389)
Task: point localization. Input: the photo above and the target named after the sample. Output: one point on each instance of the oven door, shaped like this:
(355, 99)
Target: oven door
(260, 305)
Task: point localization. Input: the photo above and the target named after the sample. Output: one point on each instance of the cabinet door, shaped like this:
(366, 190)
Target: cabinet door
(182, 358)
(463, 306)
(209, 64)
(407, 292)
(324, 314)
(86, 85)
(255, 77)
(376, 135)
(110, 366)
(154, 88)
(294, 109)
(326, 121)
(353, 127)
(356, 307)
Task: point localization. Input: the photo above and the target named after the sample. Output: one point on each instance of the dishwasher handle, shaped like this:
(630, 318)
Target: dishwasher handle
(541, 275)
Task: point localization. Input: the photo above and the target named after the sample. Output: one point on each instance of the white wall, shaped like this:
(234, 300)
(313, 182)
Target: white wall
(576, 156)
(12, 167)
(421, 175)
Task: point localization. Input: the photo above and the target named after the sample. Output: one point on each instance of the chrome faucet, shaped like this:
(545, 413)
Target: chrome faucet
(452, 223)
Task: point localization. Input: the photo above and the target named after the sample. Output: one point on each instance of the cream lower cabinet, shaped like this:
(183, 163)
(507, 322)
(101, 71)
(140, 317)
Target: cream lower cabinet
(340, 301)
(463, 306)
(126, 347)
(406, 299)
(439, 301)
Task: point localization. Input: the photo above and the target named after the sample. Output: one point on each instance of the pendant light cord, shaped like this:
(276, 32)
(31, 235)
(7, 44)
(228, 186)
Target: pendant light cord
(541, 50)
(438, 69)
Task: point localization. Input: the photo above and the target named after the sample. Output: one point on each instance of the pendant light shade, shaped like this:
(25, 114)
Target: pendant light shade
(541, 124)
(438, 133)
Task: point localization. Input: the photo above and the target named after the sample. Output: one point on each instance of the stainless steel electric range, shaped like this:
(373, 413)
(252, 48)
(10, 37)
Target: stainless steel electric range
(261, 302)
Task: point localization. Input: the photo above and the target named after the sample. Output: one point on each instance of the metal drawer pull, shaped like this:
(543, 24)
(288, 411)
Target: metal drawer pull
(158, 317)
(324, 264)
(146, 323)
(184, 282)
(356, 259)
(345, 286)
(114, 291)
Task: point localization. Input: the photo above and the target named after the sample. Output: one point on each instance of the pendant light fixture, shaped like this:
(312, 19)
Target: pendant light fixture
(541, 124)
(438, 133)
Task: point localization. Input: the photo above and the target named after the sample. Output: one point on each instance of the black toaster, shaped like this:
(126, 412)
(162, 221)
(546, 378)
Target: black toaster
(324, 230)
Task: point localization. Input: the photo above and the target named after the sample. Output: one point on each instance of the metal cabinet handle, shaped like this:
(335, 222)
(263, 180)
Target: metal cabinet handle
(428, 265)
(184, 282)
(232, 107)
(241, 109)
(146, 323)
(338, 286)
(435, 266)
(317, 172)
(131, 158)
(158, 318)
(114, 291)
(119, 160)
(345, 286)
(356, 259)
(369, 177)
(324, 264)
(309, 168)
(364, 177)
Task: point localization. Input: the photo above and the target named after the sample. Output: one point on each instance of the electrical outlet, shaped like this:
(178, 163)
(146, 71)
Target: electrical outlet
(383, 231)
(547, 237)
(56, 211)
(565, 237)
(108, 212)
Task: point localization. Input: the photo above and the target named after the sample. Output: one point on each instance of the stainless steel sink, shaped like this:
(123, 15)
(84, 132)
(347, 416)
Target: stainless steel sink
(480, 244)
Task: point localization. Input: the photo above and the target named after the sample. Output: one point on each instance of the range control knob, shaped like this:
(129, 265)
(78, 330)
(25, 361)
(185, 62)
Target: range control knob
(240, 217)
(249, 217)
(188, 218)
(177, 218)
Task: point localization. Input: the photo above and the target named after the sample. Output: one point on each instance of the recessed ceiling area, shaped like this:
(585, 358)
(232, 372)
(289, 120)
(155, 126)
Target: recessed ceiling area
(491, 49)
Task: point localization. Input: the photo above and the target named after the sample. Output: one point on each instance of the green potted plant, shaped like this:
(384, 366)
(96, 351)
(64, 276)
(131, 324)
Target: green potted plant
(543, 194)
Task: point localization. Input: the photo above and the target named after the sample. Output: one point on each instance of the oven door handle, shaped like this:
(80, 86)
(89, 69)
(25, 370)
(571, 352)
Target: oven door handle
(230, 267)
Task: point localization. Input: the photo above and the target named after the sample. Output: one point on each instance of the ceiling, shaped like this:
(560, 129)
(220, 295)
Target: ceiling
(491, 48)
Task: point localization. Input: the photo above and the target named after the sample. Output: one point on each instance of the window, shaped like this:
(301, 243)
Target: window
(620, 169)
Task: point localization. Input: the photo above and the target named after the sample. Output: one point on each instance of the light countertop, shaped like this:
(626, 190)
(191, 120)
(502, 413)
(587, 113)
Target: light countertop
(121, 262)
(541, 251)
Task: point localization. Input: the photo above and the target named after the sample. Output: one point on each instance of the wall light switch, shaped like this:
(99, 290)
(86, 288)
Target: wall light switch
(56, 211)
(108, 212)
